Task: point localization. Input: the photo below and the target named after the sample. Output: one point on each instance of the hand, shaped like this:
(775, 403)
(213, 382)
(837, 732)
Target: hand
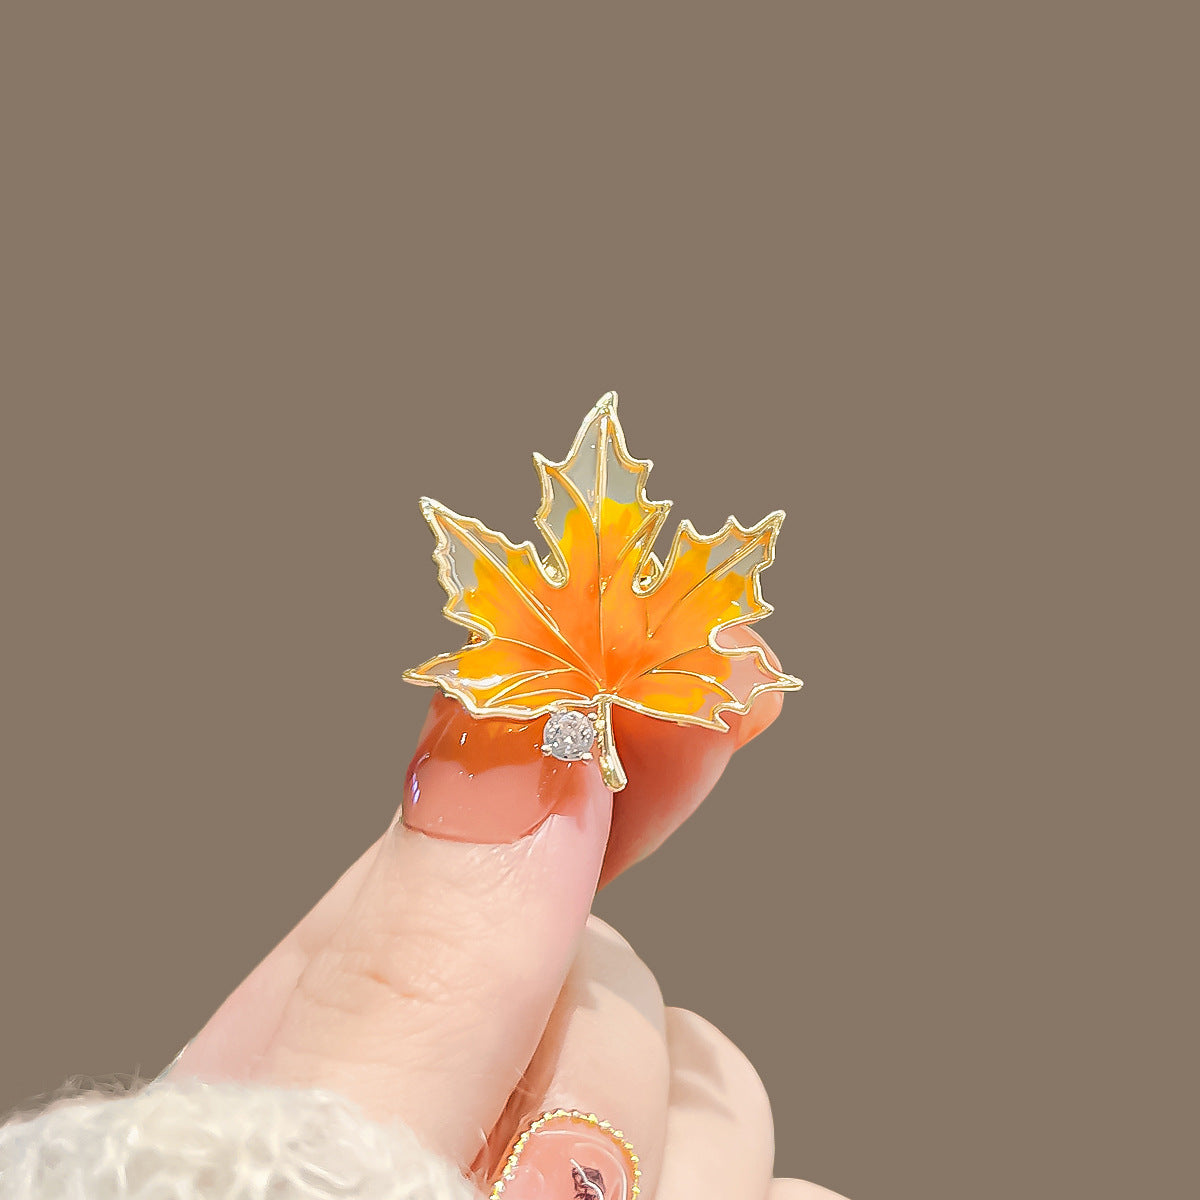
(428, 984)
(684, 1095)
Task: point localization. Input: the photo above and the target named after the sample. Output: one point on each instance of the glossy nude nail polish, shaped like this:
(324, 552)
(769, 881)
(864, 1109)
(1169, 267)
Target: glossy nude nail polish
(477, 779)
(568, 1155)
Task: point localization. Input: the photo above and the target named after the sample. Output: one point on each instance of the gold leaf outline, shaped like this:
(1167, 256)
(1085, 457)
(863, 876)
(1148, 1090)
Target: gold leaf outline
(605, 406)
(781, 681)
(442, 556)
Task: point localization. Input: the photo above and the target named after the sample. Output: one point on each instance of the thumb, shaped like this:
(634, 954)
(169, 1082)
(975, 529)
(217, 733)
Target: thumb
(431, 995)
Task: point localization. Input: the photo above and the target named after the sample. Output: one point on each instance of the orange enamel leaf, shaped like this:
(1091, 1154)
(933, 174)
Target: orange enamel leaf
(600, 621)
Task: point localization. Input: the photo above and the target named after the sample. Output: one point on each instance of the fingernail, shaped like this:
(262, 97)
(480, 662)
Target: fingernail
(486, 780)
(767, 705)
(568, 1155)
(762, 713)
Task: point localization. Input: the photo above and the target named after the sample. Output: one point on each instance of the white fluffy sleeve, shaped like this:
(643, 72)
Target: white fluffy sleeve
(196, 1141)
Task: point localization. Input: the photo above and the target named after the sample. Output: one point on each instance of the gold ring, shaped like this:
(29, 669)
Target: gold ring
(593, 1158)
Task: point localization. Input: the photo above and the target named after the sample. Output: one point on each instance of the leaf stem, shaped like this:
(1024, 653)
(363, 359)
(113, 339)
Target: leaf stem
(611, 770)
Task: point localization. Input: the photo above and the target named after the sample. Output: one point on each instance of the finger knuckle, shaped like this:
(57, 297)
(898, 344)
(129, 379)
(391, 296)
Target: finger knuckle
(607, 957)
(728, 1068)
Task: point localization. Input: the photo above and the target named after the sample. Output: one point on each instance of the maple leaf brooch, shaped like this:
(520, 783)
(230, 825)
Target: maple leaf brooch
(600, 621)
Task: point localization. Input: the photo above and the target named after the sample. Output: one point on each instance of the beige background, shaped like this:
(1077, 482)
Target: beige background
(923, 275)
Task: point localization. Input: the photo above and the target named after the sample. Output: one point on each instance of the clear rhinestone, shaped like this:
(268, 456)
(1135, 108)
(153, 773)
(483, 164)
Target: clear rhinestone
(568, 735)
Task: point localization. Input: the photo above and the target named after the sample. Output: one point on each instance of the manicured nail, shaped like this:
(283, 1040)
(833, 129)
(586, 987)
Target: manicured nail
(767, 705)
(477, 779)
(762, 713)
(568, 1155)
